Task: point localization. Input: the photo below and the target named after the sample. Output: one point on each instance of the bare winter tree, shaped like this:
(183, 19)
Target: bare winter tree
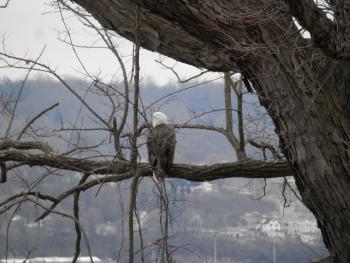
(24, 142)
(302, 83)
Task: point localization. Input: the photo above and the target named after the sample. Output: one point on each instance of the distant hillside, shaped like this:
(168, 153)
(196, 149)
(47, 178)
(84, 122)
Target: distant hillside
(104, 210)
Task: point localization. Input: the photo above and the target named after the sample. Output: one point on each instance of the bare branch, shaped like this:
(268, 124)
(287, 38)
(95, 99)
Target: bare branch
(116, 139)
(239, 94)
(20, 92)
(235, 142)
(34, 119)
(264, 146)
(111, 46)
(44, 68)
(200, 173)
(39, 195)
(188, 125)
(84, 186)
(181, 90)
(30, 145)
(177, 75)
(76, 215)
(87, 243)
(134, 150)
(228, 107)
(5, 5)
(201, 127)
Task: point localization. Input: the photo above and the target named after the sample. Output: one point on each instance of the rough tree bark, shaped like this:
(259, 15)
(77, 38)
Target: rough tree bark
(304, 90)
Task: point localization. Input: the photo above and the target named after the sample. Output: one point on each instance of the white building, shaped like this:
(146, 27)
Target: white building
(271, 225)
(298, 227)
(291, 228)
(233, 232)
(311, 238)
(308, 226)
(271, 228)
(203, 187)
(108, 229)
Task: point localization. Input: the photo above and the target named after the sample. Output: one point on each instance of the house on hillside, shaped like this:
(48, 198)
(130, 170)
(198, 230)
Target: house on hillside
(271, 227)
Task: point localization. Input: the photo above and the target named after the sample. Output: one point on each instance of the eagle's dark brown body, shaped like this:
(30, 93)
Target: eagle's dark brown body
(161, 142)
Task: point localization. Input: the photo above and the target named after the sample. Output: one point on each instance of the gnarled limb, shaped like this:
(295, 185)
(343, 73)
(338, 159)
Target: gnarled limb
(331, 36)
(160, 31)
(200, 173)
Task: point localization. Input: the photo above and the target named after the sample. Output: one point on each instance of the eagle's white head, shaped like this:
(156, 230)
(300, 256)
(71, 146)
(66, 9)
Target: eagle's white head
(159, 118)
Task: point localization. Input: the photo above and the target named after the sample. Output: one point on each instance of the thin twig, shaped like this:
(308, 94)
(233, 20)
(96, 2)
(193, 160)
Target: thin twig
(177, 75)
(20, 92)
(34, 119)
(47, 69)
(87, 243)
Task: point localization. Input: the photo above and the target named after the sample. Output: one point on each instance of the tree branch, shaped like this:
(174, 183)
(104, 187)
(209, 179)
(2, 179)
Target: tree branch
(6, 4)
(193, 49)
(199, 173)
(264, 146)
(76, 215)
(34, 119)
(326, 34)
(17, 198)
(134, 150)
(201, 127)
(177, 75)
(30, 145)
(87, 243)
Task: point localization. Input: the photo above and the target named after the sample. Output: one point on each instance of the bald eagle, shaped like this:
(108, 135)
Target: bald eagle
(161, 142)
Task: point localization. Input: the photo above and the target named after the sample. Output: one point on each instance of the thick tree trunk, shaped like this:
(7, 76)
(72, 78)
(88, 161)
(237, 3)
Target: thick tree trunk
(305, 92)
(312, 122)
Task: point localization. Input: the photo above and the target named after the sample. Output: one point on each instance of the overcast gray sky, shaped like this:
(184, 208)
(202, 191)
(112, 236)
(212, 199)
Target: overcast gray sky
(29, 25)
